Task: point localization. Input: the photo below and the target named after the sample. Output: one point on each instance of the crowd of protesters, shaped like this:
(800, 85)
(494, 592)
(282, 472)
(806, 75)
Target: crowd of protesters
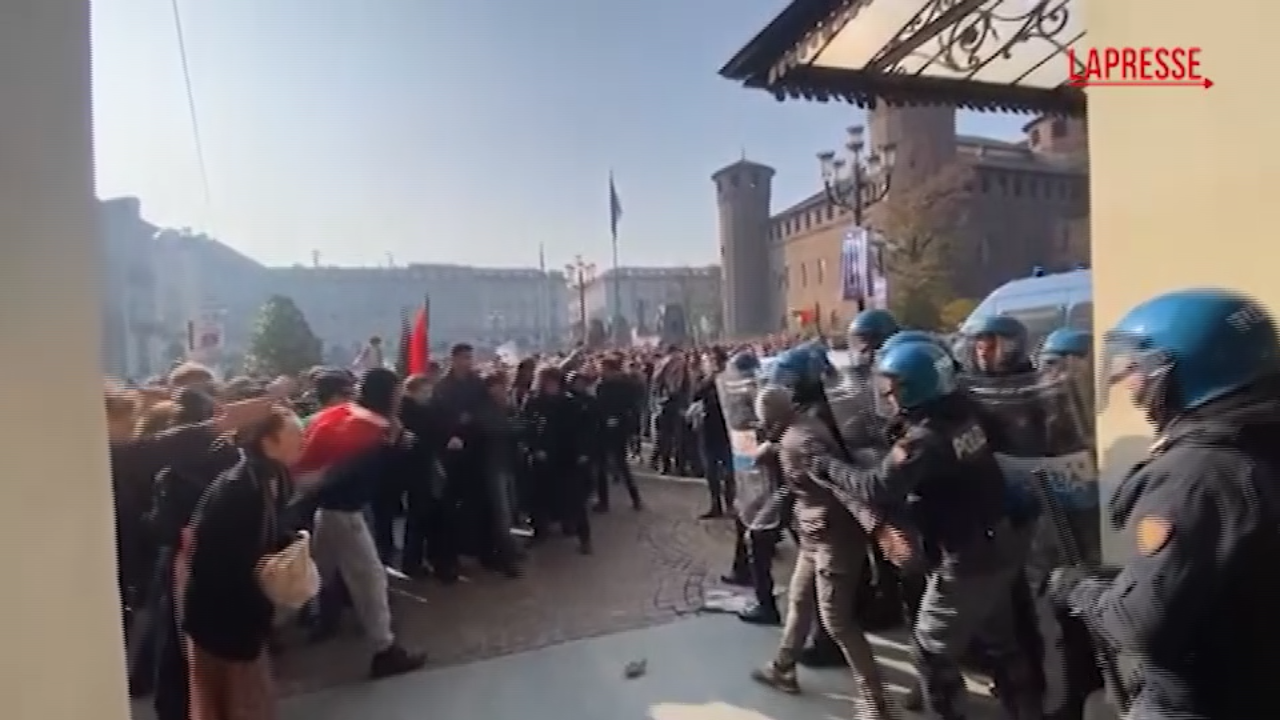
(248, 503)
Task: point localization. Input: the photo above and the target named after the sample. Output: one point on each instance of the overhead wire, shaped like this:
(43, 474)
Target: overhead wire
(202, 167)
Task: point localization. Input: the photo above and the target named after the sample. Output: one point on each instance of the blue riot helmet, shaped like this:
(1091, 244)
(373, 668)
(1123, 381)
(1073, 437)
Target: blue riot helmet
(993, 345)
(745, 362)
(789, 380)
(910, 375)
(1067, 342)
(804, 363)
(1063, 346)
(905, 336)
(868, 331)
(1181, 350)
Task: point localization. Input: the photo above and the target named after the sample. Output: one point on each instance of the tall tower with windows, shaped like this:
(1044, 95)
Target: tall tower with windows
(923, 138)
(743, 197)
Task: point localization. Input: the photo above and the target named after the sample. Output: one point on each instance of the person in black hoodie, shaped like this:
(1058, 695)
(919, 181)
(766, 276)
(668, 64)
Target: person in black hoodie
(429, 530)
(182, 462)
(618, 398)
(551, 426)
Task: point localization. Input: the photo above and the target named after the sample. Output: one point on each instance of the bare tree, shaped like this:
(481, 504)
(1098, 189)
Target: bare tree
(921, 227)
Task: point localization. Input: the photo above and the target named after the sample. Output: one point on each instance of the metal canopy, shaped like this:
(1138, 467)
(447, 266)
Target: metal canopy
(982, 54)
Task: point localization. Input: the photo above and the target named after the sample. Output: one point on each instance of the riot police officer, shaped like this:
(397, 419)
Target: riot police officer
(1195, 602)
(942, 461)
(867, 332)
(758, 521)
(995, 345)
(1065, 344)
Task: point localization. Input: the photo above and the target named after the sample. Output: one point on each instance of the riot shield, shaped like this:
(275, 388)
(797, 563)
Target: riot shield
(1043, 433)
(737, 392)
(851, 396)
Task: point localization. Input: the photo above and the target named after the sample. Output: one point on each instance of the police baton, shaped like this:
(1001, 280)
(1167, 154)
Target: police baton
(1103, 653)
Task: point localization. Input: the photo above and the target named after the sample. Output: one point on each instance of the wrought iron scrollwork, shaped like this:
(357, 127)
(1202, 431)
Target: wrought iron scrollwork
(987, 34)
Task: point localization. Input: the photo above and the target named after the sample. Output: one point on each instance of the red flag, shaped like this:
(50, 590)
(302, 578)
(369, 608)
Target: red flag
(420, 341)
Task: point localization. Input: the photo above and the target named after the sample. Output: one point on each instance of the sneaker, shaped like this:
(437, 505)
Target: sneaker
(395, 660)
(777, 678)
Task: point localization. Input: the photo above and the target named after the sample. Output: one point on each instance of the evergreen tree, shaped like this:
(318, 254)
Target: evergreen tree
(282, 342)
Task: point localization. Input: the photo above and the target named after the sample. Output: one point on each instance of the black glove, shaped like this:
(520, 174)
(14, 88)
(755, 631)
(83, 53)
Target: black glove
(1075, 587)
(1063, 582)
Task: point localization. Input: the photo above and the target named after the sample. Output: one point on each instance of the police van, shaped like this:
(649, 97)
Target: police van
(1044, 302)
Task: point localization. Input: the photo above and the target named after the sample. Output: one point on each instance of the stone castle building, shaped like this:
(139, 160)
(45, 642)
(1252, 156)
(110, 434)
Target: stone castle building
(1025, 204)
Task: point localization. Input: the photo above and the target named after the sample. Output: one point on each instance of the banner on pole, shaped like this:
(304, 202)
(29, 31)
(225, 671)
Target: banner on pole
(862, 274)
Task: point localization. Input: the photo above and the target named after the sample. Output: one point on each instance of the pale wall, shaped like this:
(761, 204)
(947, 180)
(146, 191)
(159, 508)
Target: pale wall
(1184, 180)
(60, 614)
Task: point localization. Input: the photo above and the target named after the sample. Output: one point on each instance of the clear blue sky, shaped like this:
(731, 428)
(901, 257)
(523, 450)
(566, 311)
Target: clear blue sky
(461, 131)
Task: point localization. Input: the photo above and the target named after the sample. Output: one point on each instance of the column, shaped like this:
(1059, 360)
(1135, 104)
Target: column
(59, 614)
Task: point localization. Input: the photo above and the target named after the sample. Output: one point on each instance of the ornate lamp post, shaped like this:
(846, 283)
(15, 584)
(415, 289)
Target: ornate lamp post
(859, 179)
(581, 274)
(856, 181)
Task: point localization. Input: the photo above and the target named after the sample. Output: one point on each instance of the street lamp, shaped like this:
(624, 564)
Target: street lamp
(857, 180)
(581, 274)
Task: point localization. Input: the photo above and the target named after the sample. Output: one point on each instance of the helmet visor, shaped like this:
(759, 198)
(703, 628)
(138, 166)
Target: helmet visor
(1130, 366)
(988, 352)
(884, 389)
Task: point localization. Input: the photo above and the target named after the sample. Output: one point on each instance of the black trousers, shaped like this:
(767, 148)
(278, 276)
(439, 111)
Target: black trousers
(614, 467)
(467, 490)
(562, 486)
(430, 533)
(717, 465)
(753, 554)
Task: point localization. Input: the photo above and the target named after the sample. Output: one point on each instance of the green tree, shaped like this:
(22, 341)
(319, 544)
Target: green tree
(920, 226)
(282, 342)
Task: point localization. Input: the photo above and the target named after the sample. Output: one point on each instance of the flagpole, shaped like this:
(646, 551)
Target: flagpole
(615, 214)
(543, 297)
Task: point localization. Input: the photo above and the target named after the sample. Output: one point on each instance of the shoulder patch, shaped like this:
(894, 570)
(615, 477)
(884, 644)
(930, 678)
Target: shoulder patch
(1153, 534)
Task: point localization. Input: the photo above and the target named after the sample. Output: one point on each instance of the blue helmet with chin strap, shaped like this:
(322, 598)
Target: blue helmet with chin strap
(919, 372)
(1067, 342)
(1190, 347)
(906, 336)
(804, 363)
(1009, 334)
(874, 324)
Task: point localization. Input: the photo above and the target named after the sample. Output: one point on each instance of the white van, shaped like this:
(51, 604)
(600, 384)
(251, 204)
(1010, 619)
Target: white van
(1044, 303)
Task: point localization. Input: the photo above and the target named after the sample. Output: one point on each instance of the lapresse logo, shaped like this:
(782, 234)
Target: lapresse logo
(1136, 67)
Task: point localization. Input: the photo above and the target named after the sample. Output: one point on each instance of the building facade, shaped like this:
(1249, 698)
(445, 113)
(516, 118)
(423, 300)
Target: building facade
(1024, 204)
(130, 311)
(159, 280)
(486, 306)
(642, 292)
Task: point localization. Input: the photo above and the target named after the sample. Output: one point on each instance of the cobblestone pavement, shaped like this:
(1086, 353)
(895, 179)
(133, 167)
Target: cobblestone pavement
(649, 567)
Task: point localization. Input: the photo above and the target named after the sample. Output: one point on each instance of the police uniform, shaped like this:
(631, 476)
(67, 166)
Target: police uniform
(944, 464)
(1195, 604)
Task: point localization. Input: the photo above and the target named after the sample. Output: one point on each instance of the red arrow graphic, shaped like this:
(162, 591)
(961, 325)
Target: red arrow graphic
(1085, 82)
